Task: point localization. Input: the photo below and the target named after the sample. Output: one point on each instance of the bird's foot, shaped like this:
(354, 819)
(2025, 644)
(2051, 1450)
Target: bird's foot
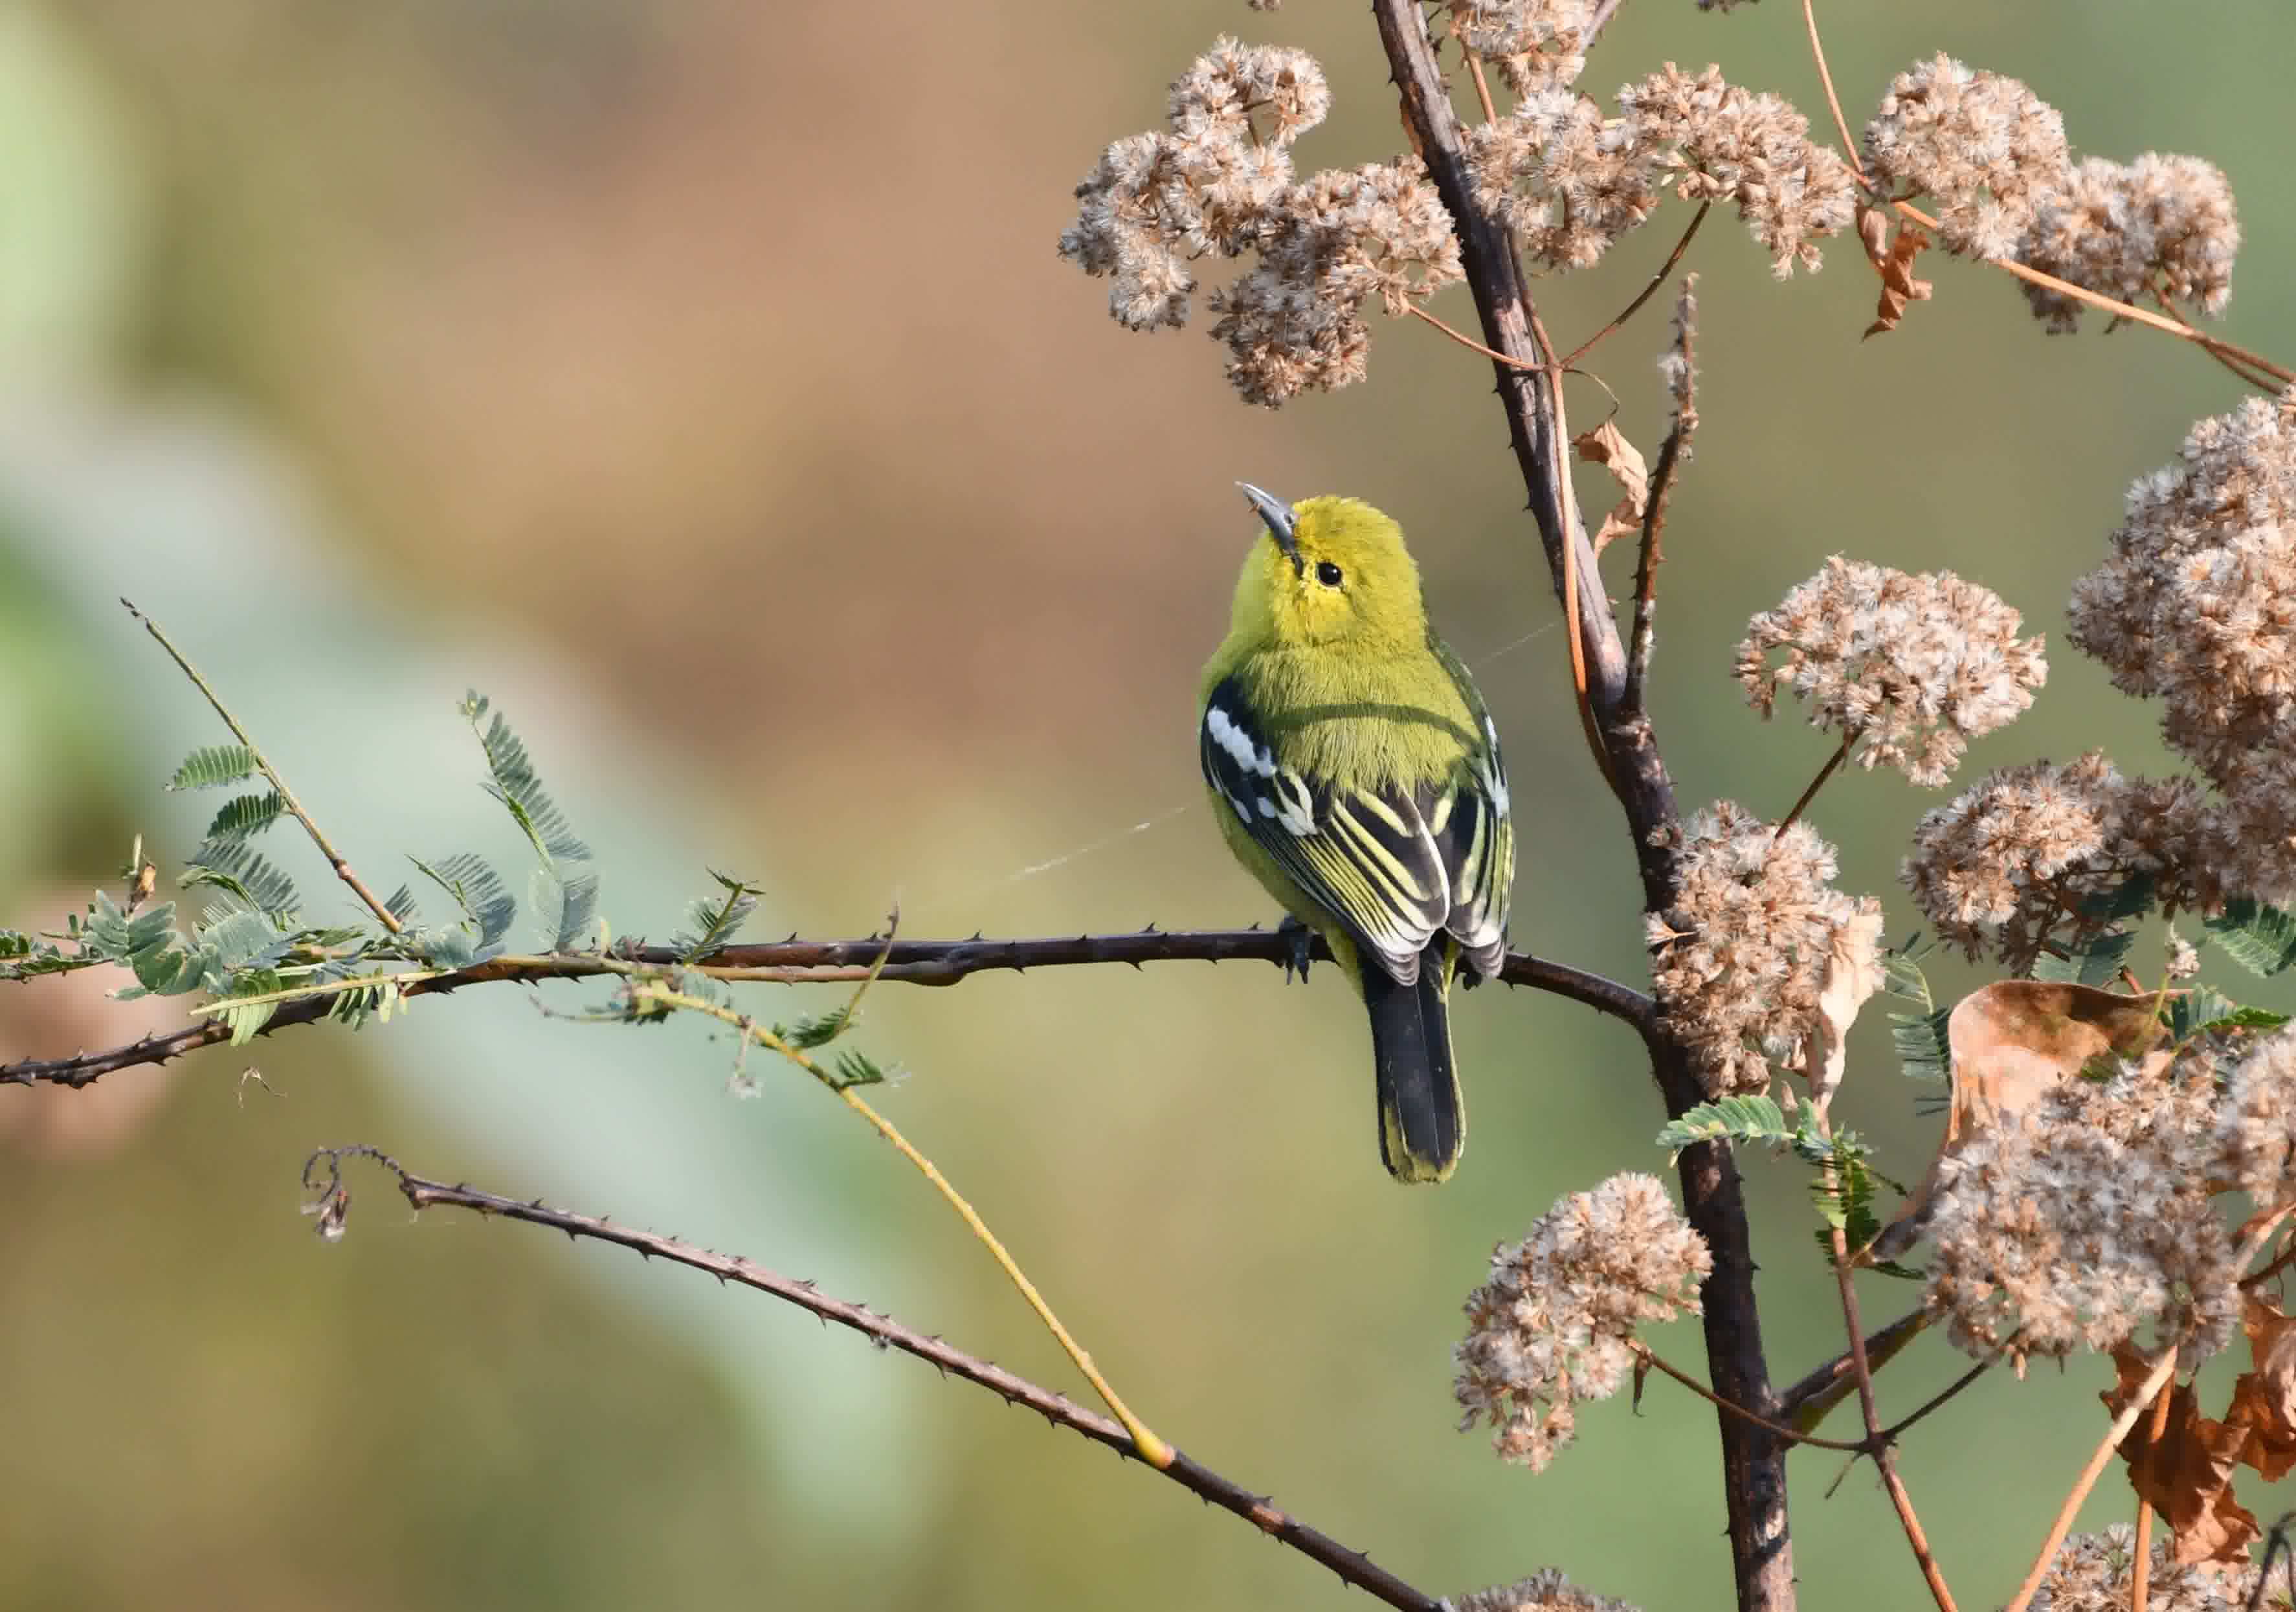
(1302, 941)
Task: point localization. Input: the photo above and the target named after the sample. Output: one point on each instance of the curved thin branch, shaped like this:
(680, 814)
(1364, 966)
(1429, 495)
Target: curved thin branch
(423, 1193)
(795, 961)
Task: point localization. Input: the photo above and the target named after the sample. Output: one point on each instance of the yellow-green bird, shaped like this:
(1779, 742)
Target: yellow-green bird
(1355, 771)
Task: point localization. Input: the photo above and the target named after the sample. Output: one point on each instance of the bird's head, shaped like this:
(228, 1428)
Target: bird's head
(1327, 570)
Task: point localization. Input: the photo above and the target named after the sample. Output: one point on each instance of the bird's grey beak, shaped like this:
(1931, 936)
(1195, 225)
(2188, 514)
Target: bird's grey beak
(1279, 518)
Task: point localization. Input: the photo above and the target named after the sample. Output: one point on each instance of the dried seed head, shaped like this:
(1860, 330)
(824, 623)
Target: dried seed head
(1740, 958)
(1552, 1326)
(1987, 150)
(1909, 667)
(2159, 226)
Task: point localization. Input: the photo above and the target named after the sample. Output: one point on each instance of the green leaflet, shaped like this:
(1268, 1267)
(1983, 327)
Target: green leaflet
(1923, 1050)
(213, 765)
(2255, 935)
(244, 816)
(519, 789)
(710, 924)
(1728, 1119)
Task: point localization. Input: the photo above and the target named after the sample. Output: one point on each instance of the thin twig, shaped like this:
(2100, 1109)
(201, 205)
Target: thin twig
(335, 860)
(2215, 350)
(2154, 1382)
(1884, 1458)
(1154, 1450)
(1936, 1401)
(796, 961)
(1833, 101)
(423, 1193)
(1816, 783)
(2118, 309)
(1483, 85)
(1651, 1358)
(1648, 292)
(1465, 341)
(1661, 489)
(2140, 1570)
(1816, 1384)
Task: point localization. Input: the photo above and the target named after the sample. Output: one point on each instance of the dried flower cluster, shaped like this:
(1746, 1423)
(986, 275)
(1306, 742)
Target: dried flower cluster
(1537, 45)
(1571, 182)
(1993, 157)
(1986, 149)
(2195, 606)
(2011, 863)
(1219, 183)
(1544, 1591)
(2071, 1224)
(2256, 1133)
(1334, 242)
(2159, 226)
(1909, 667)
(2096, 1572)
(1741, 956)
(1552, 1326)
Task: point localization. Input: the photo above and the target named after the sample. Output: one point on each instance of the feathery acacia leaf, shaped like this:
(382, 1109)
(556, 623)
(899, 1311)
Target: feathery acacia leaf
(1728, 1119)
(710, 924)
(2093, 962)
(1924, 1053)
(213, 765)
(244, 816)
(519, 789)
(2255, 935)
(486, 907)
(232, 866)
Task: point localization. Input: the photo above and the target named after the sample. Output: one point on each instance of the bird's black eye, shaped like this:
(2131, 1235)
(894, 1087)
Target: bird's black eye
(1329, 575)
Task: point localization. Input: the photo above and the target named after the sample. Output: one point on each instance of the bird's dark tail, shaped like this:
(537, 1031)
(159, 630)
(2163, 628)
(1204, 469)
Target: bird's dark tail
(1422, 1124)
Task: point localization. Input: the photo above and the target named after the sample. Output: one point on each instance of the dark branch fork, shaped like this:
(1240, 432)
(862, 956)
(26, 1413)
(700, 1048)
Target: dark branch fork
(1753, 1461)
(423, 1193)
(795, 961)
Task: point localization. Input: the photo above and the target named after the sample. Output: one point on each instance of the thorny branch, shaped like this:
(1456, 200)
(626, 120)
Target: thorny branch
(333, 1203)
(1753, 1461)
(795, 961)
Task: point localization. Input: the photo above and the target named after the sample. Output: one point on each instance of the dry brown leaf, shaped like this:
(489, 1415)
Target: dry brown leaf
(1893, 260)
(1608, 446)
(1853, 973)
(2264, 1400)
(2013, 1039)
(2187, 1473)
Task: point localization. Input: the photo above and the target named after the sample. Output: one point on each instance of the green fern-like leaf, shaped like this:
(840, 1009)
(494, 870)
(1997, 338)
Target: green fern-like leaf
(519, 789)
(1924, 1053)
(2204, 1010)
(2094, 961)
(711, 924)
(212, 767)
(487, 907)
(2132, 897)
(2255, 935)
(565, 907)
(377, 999)
(239, 939)
(244, 816)
(857, 1069)
(236, 869)
(817, 1030)
(1728, 1119)
(22, 956)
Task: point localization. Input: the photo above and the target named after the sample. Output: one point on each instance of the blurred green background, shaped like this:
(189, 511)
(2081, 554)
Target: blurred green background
(698, 380)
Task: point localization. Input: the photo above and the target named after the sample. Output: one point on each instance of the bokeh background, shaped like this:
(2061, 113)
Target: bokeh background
(698, 380)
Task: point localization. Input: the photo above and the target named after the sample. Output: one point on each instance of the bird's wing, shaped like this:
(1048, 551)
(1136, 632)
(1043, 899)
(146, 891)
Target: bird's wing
(1474, 830)
(1368, 857)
